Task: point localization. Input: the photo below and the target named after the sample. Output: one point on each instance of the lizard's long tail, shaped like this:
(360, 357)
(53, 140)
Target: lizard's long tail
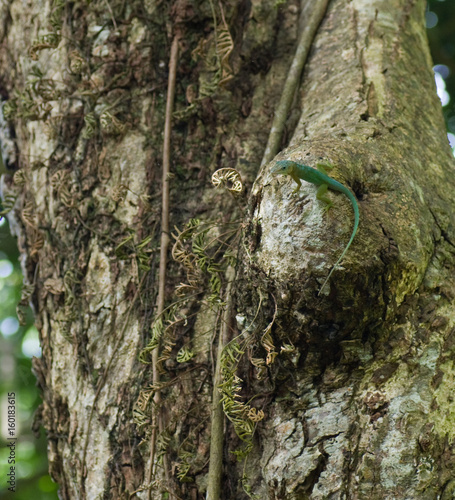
(355, 206)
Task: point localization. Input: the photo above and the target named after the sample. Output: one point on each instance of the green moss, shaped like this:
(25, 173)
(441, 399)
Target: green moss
(443, 414)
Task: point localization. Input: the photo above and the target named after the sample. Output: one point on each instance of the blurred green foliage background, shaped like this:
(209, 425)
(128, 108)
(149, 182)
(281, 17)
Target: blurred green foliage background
(19, 343)
(440, 20)
(17, 346)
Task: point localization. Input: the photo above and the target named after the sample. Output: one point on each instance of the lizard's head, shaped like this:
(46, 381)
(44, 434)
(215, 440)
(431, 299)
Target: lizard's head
(283, 167)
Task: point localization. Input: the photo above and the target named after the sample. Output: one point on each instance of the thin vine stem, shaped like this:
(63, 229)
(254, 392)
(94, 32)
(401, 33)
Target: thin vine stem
(157, 423)
(309, 29)
(217, 414)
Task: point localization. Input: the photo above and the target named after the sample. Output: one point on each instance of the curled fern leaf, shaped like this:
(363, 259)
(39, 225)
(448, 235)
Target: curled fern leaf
(185, 354)
(7, 204)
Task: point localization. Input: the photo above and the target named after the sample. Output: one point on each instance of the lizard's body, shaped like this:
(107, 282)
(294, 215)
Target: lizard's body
(320, 178)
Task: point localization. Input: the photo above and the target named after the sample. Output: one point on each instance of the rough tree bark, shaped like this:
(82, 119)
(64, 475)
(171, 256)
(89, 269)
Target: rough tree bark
(355, 384)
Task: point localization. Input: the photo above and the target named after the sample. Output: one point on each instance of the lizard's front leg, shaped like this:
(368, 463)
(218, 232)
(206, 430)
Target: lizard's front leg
(297, 180)
(324, 166)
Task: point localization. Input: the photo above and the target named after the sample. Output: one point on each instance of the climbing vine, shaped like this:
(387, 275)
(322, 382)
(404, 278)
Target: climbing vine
(206, 250)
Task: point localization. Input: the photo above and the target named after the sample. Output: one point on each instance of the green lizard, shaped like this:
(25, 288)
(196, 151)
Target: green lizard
(320, 178)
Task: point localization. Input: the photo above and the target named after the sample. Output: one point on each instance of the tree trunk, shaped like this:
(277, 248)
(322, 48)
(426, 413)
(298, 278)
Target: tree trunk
(346, 394)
